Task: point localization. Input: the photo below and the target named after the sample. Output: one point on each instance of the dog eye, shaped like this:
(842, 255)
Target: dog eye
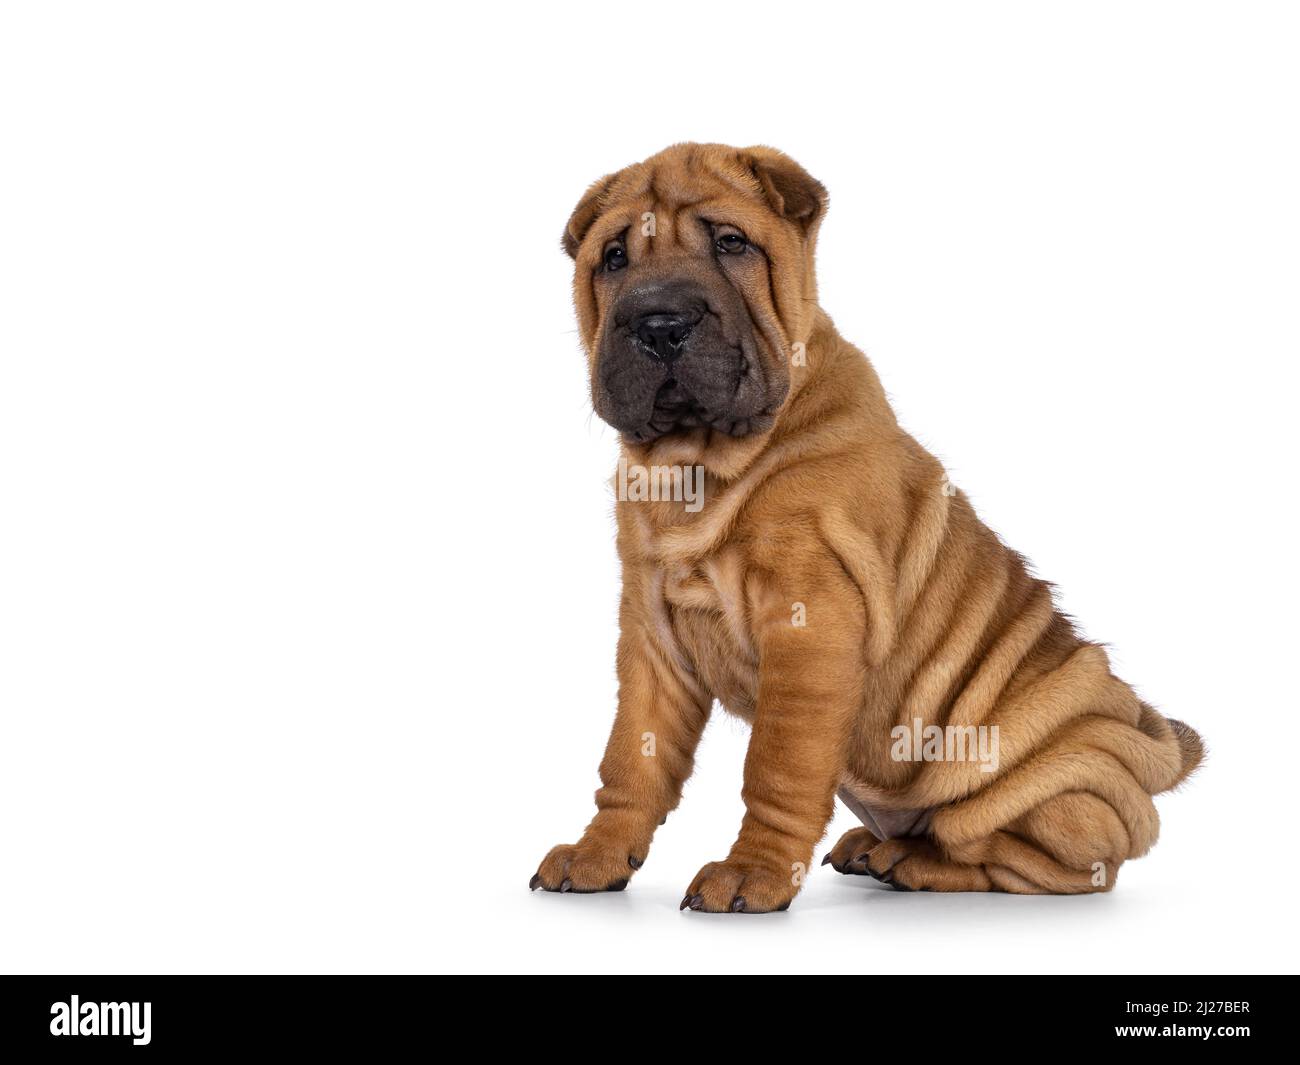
(615, 258)
(731, 243)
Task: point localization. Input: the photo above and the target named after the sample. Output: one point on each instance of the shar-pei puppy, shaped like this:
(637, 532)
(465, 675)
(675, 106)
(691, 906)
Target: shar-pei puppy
(790, 552)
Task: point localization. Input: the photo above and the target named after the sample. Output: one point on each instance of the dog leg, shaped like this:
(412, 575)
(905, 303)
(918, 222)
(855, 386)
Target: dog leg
(661, 714)
(916, 864)
(1071, 844)
(809, 686)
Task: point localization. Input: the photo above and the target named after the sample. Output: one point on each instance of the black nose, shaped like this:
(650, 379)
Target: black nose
(664, 334)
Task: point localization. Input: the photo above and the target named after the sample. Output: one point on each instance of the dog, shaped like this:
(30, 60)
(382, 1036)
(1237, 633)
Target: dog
(832, 588)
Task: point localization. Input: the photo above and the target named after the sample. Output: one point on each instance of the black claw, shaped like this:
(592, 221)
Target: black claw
(535, 882)
(566, 885)
(634, 861)
(897, 886)
(697, 902)
(827, 859)
(685, 902)
(738, 904)
(783, 907)
(617, 885)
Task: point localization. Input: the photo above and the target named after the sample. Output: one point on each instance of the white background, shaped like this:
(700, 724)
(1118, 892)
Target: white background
(307, 577)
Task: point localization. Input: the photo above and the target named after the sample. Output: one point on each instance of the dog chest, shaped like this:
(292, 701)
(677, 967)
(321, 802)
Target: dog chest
(707, 616)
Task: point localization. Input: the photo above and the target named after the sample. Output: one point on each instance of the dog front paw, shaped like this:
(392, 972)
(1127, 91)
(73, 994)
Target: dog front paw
(736, 886)
(585, 867)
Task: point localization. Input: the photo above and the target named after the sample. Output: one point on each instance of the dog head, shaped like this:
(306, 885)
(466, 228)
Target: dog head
(693, 283)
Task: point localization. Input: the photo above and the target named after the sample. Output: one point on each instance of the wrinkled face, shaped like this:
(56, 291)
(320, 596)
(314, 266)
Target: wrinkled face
(693, 282)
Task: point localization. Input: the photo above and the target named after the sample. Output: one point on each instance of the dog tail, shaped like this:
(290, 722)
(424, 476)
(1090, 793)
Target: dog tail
(1191, 750)
(1177, 751)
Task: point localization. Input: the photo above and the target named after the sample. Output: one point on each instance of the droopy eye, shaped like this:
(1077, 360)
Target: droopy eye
(731, 243)
(615, 257)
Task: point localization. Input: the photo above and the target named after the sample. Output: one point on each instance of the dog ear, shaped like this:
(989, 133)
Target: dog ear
(587, 211)
(791, 191)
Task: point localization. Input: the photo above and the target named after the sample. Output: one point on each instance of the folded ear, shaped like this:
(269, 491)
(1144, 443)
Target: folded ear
(792, 192)
(587, 211)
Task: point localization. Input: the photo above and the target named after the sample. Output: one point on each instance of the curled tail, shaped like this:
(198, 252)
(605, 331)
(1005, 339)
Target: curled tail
(1190, 747)
(1177, 749)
